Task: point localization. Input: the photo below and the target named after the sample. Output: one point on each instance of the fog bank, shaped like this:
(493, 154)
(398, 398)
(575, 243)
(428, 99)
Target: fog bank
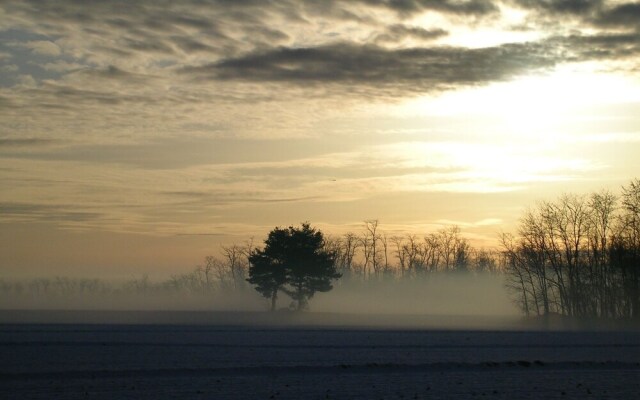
(456, 294)
(434, 294)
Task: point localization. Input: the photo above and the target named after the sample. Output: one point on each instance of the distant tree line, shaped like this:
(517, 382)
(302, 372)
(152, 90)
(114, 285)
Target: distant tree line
(366, 257)
(576, 256)
(217, 274)
(191, 283)
(373, 254)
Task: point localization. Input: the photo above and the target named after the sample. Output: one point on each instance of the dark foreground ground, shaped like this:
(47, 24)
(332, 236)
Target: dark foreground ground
(224, 356)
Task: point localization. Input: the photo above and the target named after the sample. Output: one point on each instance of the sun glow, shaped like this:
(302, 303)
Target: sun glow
(476, 167)
(481, 33)
(541, 106)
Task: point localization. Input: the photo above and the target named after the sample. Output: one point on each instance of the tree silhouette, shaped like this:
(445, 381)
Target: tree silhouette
(267, 270)
(578, 256)
(295, 261)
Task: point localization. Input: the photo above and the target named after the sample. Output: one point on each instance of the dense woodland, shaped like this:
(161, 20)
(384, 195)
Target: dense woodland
(577, 256)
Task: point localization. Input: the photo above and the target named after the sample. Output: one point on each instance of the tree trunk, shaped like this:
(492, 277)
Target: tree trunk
(300, 298)
(274, 297)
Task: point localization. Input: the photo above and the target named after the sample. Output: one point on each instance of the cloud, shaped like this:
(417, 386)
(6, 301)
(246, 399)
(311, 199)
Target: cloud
(604, 46)
(471, 224)
(60, 66)
(27, 80)
(293, 41)
(598, 13)
(218, 198)
(178, 153)
(43, 47)
(414, 69)
(577, 7)
(161, 114)
(104, 31)
(24, 142)
(398, 32)
(626, 14)
(16, 211)
(469, 7)
(9, 68)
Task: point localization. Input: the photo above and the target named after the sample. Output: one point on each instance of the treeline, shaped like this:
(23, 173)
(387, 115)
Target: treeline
(369, 255)
(225, 272)
(61, 286)
(216, 274)
(373, 254)
(578, 256)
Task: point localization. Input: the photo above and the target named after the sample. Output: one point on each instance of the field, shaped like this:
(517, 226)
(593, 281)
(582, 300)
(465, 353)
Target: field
(226, 356)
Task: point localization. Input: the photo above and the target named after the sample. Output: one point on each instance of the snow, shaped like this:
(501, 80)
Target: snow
(291, 361)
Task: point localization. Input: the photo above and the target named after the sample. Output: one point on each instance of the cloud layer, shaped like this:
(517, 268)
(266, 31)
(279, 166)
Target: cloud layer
(162, 116)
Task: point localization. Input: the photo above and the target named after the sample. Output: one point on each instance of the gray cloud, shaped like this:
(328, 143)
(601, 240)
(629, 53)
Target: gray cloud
(470, 7)
(423, 69)
(594, 12)
(151, 45)
(94, 86)
(111, 72)
(190, 45)
(159, 69)
(140, 25)
(248, 40)
(603, 46)
(398, 32)
(622, 15)
(578, 7)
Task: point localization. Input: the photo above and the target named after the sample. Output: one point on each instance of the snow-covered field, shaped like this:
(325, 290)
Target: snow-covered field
(311, 361)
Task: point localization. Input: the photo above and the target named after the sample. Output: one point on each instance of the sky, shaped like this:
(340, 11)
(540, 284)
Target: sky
(138, 136)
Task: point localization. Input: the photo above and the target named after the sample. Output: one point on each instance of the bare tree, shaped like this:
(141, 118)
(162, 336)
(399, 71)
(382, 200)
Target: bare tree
(579, 255)
(625, 251)
(345, 248)
(386, 268)
(236, 262)
(601, 217)
(401, 254)
(371, 239)
(350, 244)
(432, 252)
(518, 277)
(485, 260)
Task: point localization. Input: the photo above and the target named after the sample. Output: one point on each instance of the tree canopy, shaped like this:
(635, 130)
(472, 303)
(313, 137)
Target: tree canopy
(294, 261)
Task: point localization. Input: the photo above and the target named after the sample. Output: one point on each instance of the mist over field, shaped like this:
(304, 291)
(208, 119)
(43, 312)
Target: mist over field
(440, 294)
(478, 301)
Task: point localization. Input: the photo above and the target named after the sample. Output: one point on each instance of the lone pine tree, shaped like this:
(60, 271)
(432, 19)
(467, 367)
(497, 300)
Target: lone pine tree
(294, 261)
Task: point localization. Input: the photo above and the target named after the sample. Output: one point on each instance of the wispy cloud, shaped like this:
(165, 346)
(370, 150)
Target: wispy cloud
(43, 47)
(24, 142)
(162, 117)
(150, 69)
